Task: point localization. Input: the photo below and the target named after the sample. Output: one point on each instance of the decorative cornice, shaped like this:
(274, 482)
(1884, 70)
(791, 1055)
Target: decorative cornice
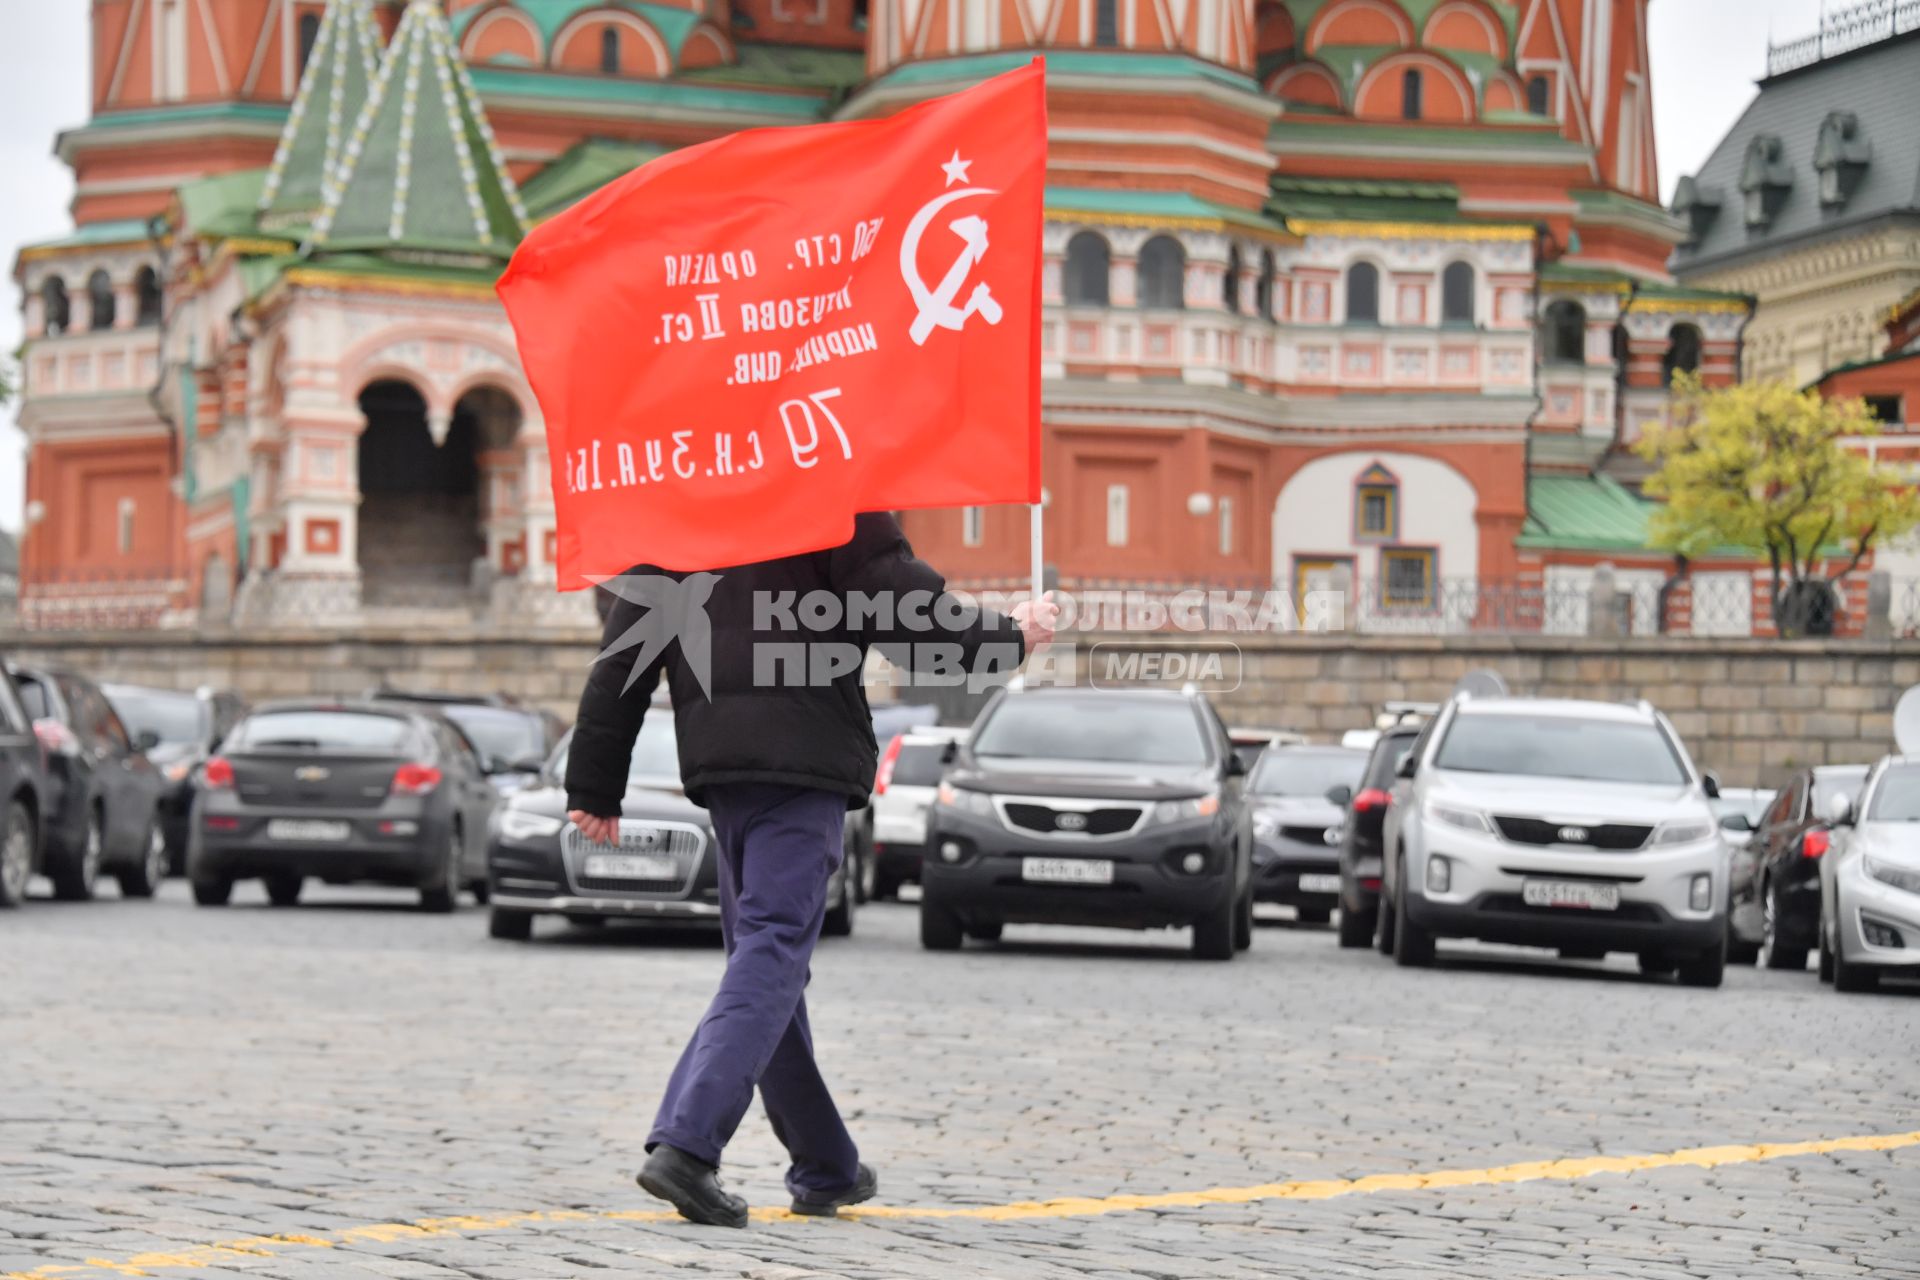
(1688, 306)
(1356, 230)
(1174, 222)
(352, 282)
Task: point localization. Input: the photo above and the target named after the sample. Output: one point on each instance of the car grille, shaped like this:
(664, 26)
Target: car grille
(1042, 817)
(1610, 837)
(684, 845)
(1308, 835)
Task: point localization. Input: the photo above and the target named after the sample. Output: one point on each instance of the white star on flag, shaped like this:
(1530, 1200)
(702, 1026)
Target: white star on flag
(956, 168)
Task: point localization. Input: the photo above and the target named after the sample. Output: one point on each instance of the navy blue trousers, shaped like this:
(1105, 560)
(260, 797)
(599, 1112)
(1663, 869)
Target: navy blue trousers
(777, 847)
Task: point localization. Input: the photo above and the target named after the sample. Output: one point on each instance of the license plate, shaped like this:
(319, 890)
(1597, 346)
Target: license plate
(1576, 894)
(312, 829)
(1067, 870)
(631, 866)
(1319, 884)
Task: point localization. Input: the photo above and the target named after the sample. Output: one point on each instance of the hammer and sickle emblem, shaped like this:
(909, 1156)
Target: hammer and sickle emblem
(936, 306)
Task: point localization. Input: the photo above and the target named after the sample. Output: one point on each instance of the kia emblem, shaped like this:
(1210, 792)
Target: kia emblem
(1573, 835)
(1331, 835)
(1070, 821)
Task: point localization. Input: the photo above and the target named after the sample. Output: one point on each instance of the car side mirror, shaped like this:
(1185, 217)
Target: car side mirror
(1236, 767)
(1735, 822)
(1408, 768)
(1840, 810)
(146, 740)
(950, 752)
(1710, 782)
(1340, 796)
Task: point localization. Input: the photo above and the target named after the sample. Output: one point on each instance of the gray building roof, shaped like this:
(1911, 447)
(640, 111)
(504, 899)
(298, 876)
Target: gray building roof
(1796, 162)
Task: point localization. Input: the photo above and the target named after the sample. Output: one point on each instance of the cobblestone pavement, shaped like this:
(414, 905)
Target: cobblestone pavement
(351, 1088)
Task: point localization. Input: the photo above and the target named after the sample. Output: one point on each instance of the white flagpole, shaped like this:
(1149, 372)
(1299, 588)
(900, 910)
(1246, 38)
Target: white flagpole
(1038, 560)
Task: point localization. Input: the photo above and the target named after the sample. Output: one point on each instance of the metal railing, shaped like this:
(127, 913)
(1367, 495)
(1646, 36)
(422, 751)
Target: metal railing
(1844, 30)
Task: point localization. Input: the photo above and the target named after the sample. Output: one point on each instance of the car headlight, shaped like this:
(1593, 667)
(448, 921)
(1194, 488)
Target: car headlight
(1187, 810)
(1465, 819)
(963, 800)
(524, 824)
(1265, 826)
(1685, 831)
(1898, 877)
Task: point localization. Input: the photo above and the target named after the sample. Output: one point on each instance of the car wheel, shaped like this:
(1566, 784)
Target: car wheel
(1383, 937)
(142, 881)
(939, 928)
(986, 932)
(1313, 915)
(1707, 969)
(869, 873)
(1412, 945)
(482, 890)
(212, 891)
(1213, 932)
(442, 893)
(1826, 955)
(283, 888)
(1851, 977)
(1243, 922)
(884, 886)
(73, 880)
(16, 855)
(839, 921)
(1773, 953)
(1356, 927)
(510, 926)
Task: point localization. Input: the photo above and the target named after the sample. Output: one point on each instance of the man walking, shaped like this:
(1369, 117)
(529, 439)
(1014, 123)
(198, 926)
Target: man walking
(777, 759)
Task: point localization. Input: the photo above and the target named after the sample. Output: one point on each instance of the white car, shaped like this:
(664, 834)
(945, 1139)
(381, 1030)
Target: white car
(1579, 826)
(903, 791)
(1870, 881)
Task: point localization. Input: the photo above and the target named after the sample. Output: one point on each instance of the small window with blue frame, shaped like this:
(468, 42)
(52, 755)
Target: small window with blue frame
(1376, 505)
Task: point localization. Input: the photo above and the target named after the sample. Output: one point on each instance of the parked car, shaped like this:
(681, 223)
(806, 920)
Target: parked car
(665, 866)
(1249, 743)
(513, 742)
(103, 812)
(23, 793)
(1776, 876)
(343, 792)
(1870, 881)
(1296, 802)
(1360, 834)
(1120, 808)
(187, 728)
(904, 790)
(1580, 826)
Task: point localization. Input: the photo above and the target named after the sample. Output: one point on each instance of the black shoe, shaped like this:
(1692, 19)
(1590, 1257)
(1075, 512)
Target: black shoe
(865, 1184)
(692, 1186)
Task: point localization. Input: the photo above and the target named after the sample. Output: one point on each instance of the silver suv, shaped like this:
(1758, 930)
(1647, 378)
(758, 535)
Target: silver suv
(1580, 826)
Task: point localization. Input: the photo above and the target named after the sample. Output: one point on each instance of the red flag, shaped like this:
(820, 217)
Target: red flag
(739, 346)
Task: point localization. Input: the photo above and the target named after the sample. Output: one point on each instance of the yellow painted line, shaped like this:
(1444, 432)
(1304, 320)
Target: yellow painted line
(1573, 1169)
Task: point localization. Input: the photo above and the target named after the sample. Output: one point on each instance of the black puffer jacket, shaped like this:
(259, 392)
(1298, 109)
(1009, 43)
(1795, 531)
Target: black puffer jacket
(751, 729)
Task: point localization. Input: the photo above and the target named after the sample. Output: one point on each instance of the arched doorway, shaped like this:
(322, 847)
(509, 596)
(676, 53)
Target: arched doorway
(419, 501)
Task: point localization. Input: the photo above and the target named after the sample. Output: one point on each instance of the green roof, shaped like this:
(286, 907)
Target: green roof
(116, 231)
(583, 168)
(1573, 273)
(1292, 129)
(1364, 200)
(1097, 63)
(267, 112)
(333, 89)
(791, 66)
(1683, 293)
(421, 170)
(224, 204)
(1585, 513)
(496, 83)
(1154, 204)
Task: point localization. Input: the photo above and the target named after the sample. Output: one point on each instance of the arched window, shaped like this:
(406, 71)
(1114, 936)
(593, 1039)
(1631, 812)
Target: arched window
(1456, 294)
(610, 49)
(99, 302)
(1088, 267)
(1106, 23)
(1263, 290)
(1563, 335)
(309, 32)
(1411, 94)
(1376, 505)
(146, 289)
(1363, 294)
(1539, 96)
(1683, 353)
(1230, 287)
(1163, 273)
(58, 312)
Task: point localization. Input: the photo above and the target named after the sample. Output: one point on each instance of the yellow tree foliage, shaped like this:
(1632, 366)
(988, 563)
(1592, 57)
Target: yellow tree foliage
(1763, 466)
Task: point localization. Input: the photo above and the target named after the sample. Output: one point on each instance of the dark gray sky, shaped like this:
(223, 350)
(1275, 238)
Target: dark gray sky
(1706, 55)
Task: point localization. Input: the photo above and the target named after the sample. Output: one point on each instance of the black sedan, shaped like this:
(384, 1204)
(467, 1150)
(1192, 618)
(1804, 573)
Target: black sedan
(23, 797)
(1092, 807)
(513, 741)
(342, 792)
(1296, 800)
(186, 729)
(104, 794)
(1775, 882)
(1360, 844)
(665, 866)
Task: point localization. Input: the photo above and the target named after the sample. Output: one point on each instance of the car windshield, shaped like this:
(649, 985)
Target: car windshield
(1306, 773)
(1118, 730)
(1543, 746)
(919, 764)
(357, 732)
(656, 752)
(176, 719)
(500, 734)
(1897, 796)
